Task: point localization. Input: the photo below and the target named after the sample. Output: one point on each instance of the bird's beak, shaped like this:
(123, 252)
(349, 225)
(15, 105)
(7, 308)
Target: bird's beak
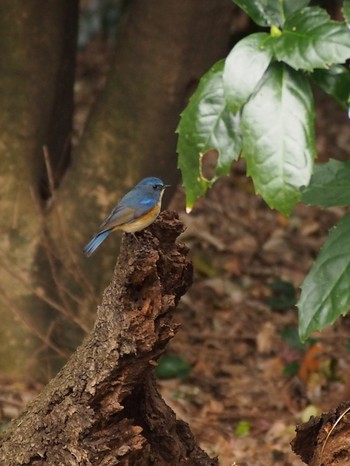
(167, 186)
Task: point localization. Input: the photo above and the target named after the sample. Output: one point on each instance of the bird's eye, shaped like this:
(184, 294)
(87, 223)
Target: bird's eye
(156, 187)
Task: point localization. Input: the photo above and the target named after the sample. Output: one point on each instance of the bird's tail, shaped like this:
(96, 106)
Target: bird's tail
(95, 242)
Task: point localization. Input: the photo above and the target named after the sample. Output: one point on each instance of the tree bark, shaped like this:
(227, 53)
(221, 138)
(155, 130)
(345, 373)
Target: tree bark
(37, 50)
(103, 407)
(325, 440)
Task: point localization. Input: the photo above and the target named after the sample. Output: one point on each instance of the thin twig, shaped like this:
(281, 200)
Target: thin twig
(50, 255)
(49, 171)
(11, 401)
(41, 295)
(80, 277)
(32, 328)
(51, 259)
(330, 432)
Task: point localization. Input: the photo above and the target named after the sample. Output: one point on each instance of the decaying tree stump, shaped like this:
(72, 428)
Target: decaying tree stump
(103, 407)
(325, 440)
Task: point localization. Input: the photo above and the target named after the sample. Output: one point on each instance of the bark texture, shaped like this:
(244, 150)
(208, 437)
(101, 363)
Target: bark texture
(325, 440)
(103, 407)
(37, 49)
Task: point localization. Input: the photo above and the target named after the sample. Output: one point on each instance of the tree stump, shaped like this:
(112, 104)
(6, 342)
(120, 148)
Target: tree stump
(325, 440)
(103, 407)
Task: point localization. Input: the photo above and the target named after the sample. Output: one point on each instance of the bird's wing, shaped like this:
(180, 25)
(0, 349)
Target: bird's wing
(123, 214)
(119, 216)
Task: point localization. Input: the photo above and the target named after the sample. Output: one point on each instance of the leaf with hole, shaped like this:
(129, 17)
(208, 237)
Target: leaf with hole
(207, 124)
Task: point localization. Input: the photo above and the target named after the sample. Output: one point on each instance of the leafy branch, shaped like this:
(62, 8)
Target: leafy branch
(258, 104)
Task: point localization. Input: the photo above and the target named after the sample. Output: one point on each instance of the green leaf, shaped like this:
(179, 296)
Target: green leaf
(244, 67)
(329, 185)
(270, 12)
(262, 12)
(172, 366)
(291, 6)
(291, 369)
(346, 10)
(291, 336)
(310, 39)
(243, 428)
(335, 82)
(206, 124)
(283, 297)
(278, 136)
(325, 293)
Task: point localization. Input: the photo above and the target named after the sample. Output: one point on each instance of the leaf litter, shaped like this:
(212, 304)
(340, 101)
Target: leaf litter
(233, 338)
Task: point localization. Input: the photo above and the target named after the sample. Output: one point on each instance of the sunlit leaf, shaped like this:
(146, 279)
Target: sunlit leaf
(278, 136)
(243, 428)
(244, 67)
(329, 185)
(325, 293)
(310, 411)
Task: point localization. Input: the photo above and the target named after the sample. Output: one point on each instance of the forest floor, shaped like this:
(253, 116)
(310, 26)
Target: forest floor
(251, 380)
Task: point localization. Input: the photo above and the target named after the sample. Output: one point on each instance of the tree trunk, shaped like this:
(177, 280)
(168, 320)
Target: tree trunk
(325, 440)
(163, 49)
(37, 49)
(103, 408)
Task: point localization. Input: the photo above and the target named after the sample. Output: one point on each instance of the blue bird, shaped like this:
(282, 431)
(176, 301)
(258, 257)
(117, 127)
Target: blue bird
(135, 211)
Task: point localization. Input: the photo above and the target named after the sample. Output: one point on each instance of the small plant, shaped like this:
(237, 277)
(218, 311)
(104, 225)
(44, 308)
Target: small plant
(258, 104)
(172, 367)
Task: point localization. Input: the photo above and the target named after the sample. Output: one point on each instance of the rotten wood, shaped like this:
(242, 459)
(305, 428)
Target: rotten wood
(103, 407)
(325, 440)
